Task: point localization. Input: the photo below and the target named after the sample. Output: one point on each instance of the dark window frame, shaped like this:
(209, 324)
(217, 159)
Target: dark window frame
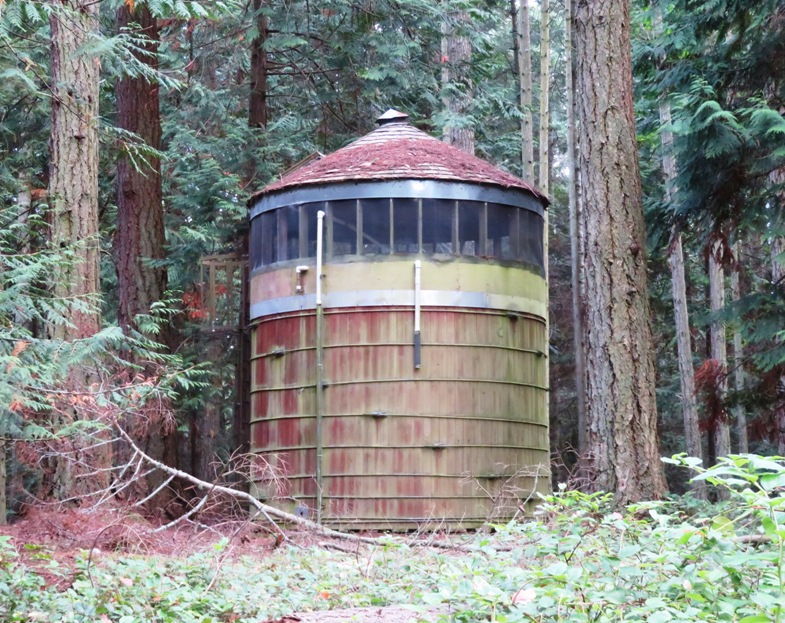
(271, 247)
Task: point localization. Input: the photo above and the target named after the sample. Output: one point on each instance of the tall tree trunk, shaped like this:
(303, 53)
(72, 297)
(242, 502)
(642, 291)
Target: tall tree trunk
(73, 165)
(738, 356)
(525, 81)
(206, 429)
(73, 196)
(692, 435)
(24, 200)
(3, 476)
(545, 169)
(140, 233)
(257, 104)
(777, 180)
(621, 405)
(777, 184)
(516, 39)
(456, 77)
(545, 88)
(24, 204)
(719, 349)
(575, 238)
(545, 116)
(257, 117)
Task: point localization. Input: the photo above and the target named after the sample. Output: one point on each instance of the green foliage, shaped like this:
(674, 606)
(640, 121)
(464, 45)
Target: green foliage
(578, 560)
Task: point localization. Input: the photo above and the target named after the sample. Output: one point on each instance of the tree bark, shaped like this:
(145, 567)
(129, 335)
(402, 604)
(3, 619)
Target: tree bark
(545, 170)
(73, 196)
(516, 39)
(73, 166)
(718, 346)
(621, 406)
(692, 434)
(738, 357)
(575, 237)
(525, 81)
(140, 233)
(206, 423)
(545, 88)
(24, 204)
(257, 105)
(777, 179)
(3, 477)
(456, 77)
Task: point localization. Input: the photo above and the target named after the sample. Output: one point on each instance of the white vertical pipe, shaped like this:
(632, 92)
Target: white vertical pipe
(417, 338)
(319, 244)
(319, 365)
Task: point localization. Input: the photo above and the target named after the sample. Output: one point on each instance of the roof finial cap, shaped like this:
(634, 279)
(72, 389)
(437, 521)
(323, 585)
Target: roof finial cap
(392, 116)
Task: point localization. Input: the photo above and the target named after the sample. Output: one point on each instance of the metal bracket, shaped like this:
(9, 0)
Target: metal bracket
(300, 272)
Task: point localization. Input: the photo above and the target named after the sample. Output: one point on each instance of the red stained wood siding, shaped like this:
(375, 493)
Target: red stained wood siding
(403, 447)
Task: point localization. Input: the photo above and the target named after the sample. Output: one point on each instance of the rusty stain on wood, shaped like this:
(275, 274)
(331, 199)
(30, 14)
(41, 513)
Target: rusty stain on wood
(471, 421)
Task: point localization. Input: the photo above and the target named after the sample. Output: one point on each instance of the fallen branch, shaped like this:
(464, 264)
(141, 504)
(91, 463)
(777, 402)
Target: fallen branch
(753, 538)
(268, 511)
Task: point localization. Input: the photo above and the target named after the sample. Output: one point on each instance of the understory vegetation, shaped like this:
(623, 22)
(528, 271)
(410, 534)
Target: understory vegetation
(579, 559)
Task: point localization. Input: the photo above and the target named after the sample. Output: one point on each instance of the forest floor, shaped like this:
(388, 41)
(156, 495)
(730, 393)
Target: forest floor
(309, 578)
(580, 559)
(66, 534)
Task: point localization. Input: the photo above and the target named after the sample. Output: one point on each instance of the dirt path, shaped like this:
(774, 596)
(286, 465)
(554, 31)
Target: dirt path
(390, 614)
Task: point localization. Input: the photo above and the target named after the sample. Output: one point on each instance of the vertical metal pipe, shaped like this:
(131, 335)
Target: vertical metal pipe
(319, 363)
(419, 226)
(359, 229)
(319, 246)
(483, 250)
(456, 243)
(392, 227)
(417, 339)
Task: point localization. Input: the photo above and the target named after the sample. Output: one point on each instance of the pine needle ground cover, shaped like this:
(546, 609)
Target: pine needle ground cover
(580, 560)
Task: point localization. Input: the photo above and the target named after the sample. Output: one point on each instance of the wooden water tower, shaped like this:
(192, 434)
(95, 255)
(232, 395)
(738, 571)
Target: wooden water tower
(399, 347)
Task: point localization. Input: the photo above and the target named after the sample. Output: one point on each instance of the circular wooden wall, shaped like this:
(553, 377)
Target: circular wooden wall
(460, 440)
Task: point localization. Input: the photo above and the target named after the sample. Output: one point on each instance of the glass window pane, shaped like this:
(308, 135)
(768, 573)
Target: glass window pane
(255, 249)
(269, 237)
(516, 241)
(405, 225)
(308, 222)
(376, 226)
(469, 216)
(501, 220)
(531, 225)
(437, 225)
(343, 220)
(288, 233)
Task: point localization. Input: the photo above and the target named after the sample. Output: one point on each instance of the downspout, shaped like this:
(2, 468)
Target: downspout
(319, 363)
(417, 338)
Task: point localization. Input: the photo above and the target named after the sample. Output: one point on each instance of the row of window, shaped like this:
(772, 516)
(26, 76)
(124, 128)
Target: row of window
(383, 227)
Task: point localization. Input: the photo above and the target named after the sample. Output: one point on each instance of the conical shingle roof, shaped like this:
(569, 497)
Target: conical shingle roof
(395, 151)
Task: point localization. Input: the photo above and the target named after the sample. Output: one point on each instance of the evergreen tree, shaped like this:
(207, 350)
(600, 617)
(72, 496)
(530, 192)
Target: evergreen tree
(621, 408)
(139, 238)
(73, 164)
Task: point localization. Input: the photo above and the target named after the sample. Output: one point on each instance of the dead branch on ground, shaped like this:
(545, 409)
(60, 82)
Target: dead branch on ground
(267, 511)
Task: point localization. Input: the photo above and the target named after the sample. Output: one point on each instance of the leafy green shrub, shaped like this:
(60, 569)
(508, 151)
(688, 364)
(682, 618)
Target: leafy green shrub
(579, 560)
